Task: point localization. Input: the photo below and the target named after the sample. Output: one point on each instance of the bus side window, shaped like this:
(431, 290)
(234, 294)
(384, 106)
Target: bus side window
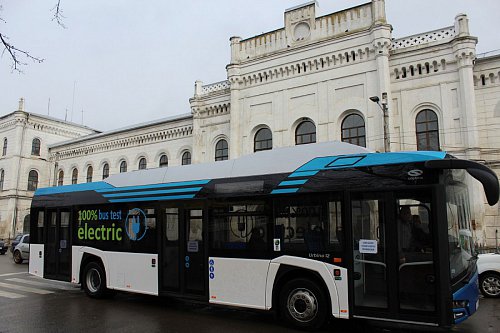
(40, 222)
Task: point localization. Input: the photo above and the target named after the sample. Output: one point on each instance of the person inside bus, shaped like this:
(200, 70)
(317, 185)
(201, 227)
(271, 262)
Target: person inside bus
(405, 225)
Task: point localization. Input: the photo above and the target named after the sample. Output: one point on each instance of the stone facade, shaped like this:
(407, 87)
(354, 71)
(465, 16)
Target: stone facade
(322, 70)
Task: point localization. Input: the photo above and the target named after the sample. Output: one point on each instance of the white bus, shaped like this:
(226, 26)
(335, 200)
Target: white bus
(312, 232)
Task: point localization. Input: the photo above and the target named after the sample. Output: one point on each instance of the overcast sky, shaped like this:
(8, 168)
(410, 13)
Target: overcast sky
(127, 62)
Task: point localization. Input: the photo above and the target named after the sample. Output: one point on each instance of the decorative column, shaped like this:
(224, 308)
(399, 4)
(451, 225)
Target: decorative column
(233, 75)
(464, 48)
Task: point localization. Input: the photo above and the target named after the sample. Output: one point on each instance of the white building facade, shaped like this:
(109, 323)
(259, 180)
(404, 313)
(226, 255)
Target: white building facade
(337, 77)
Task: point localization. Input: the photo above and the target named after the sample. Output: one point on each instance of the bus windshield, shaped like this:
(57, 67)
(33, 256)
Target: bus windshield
(459, 223)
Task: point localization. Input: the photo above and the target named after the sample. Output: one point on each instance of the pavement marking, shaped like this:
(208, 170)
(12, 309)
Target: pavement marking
(27, 289)
(10, 295)
(42, 284)
(9, 274)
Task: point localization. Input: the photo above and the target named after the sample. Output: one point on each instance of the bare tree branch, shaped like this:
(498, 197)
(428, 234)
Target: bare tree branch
(13, 52)
(58, 14)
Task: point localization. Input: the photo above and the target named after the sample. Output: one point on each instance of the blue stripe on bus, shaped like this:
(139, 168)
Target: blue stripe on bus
(302, 174)
(285, 190)
(96, 186)
(293, 182)
(153, 186)
(140, 193)
(372, 159)
(171, 197)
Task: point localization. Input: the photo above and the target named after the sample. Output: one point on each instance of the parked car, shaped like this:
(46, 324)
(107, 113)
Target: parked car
(22, 249)
(3, 247)
(488, 266)
(14, 242)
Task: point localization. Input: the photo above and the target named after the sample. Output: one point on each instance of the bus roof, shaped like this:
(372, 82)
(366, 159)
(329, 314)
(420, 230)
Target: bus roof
(302, 160)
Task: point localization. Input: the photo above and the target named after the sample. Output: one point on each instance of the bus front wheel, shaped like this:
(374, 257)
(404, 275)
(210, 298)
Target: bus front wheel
(94, 280)
(303, 304)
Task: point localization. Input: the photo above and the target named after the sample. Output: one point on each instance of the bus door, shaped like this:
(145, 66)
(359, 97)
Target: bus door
(57, 261)
(183, 254)
(393, 265)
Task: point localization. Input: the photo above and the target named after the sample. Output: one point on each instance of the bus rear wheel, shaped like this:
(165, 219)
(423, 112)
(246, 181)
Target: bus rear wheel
(94, 280)
(303, 304)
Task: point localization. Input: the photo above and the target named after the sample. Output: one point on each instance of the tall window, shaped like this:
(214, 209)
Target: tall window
(32, 180)
(142, 164)
(353, 130)
(123, 166)
(4, 151)
(35, 147)
(305, 133)
(221, 150)
(105, 171)
(186, 158)
(427, 127)
(163, 161)
(263, 140)
(74, 176)
(90, 172)
(60, 178)
(2, 177)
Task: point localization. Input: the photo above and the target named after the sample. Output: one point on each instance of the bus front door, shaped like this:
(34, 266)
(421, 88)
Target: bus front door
(393, 266)
(57, 261)
(183, 256)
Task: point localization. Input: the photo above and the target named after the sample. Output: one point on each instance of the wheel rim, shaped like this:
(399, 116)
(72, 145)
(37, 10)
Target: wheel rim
(93, 280)
(302, 305)
(491, 286)
(17, 256)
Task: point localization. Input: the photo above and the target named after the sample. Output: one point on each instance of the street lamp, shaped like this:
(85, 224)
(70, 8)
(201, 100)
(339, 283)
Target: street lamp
(383, 107)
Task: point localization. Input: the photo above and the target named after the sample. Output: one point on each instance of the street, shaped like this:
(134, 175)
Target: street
(30, 304)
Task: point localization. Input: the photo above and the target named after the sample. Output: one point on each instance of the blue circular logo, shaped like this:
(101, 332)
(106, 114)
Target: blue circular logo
(212, 276)
(211, 262)
(135, 224)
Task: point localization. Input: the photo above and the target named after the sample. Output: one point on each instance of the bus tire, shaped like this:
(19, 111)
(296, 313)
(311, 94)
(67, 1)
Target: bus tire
(303, 304)
(94, 280)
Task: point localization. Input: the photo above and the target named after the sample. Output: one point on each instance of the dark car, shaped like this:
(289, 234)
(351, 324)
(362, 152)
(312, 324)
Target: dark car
(14, 242)
(3, 247)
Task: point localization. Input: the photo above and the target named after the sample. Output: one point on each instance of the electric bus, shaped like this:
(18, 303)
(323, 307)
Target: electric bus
(311, 232)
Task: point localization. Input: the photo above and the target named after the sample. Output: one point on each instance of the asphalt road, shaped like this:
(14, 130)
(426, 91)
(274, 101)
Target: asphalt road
(29, 304)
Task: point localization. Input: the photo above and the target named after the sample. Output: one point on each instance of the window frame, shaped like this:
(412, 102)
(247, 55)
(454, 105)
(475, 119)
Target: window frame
(354, 137)
(186, 160)
(32, 180)
(90, 174)
(305, 137)
(427, 123)
(123, 166)
(74, 176)
(143, 163)
(35, 147)
(265, 143)
(221, 153)
(105, 171)
(163, 163)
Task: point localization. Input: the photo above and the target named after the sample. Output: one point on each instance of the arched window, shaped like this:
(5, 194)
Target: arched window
(263, 140)
(74, 176)
(426, 124)
(4, 151)
(221, 150)
(60, 178)
(142, 164)
(32, 180)
(35, 147)
(2, 177)
(353, 130)
(90, 172)
(186, 158)
(123, 166)
(163, 161)
(305, 133)
(105, 171)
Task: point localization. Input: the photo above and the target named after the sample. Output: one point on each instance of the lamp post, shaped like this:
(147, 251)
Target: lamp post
(383, 107)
